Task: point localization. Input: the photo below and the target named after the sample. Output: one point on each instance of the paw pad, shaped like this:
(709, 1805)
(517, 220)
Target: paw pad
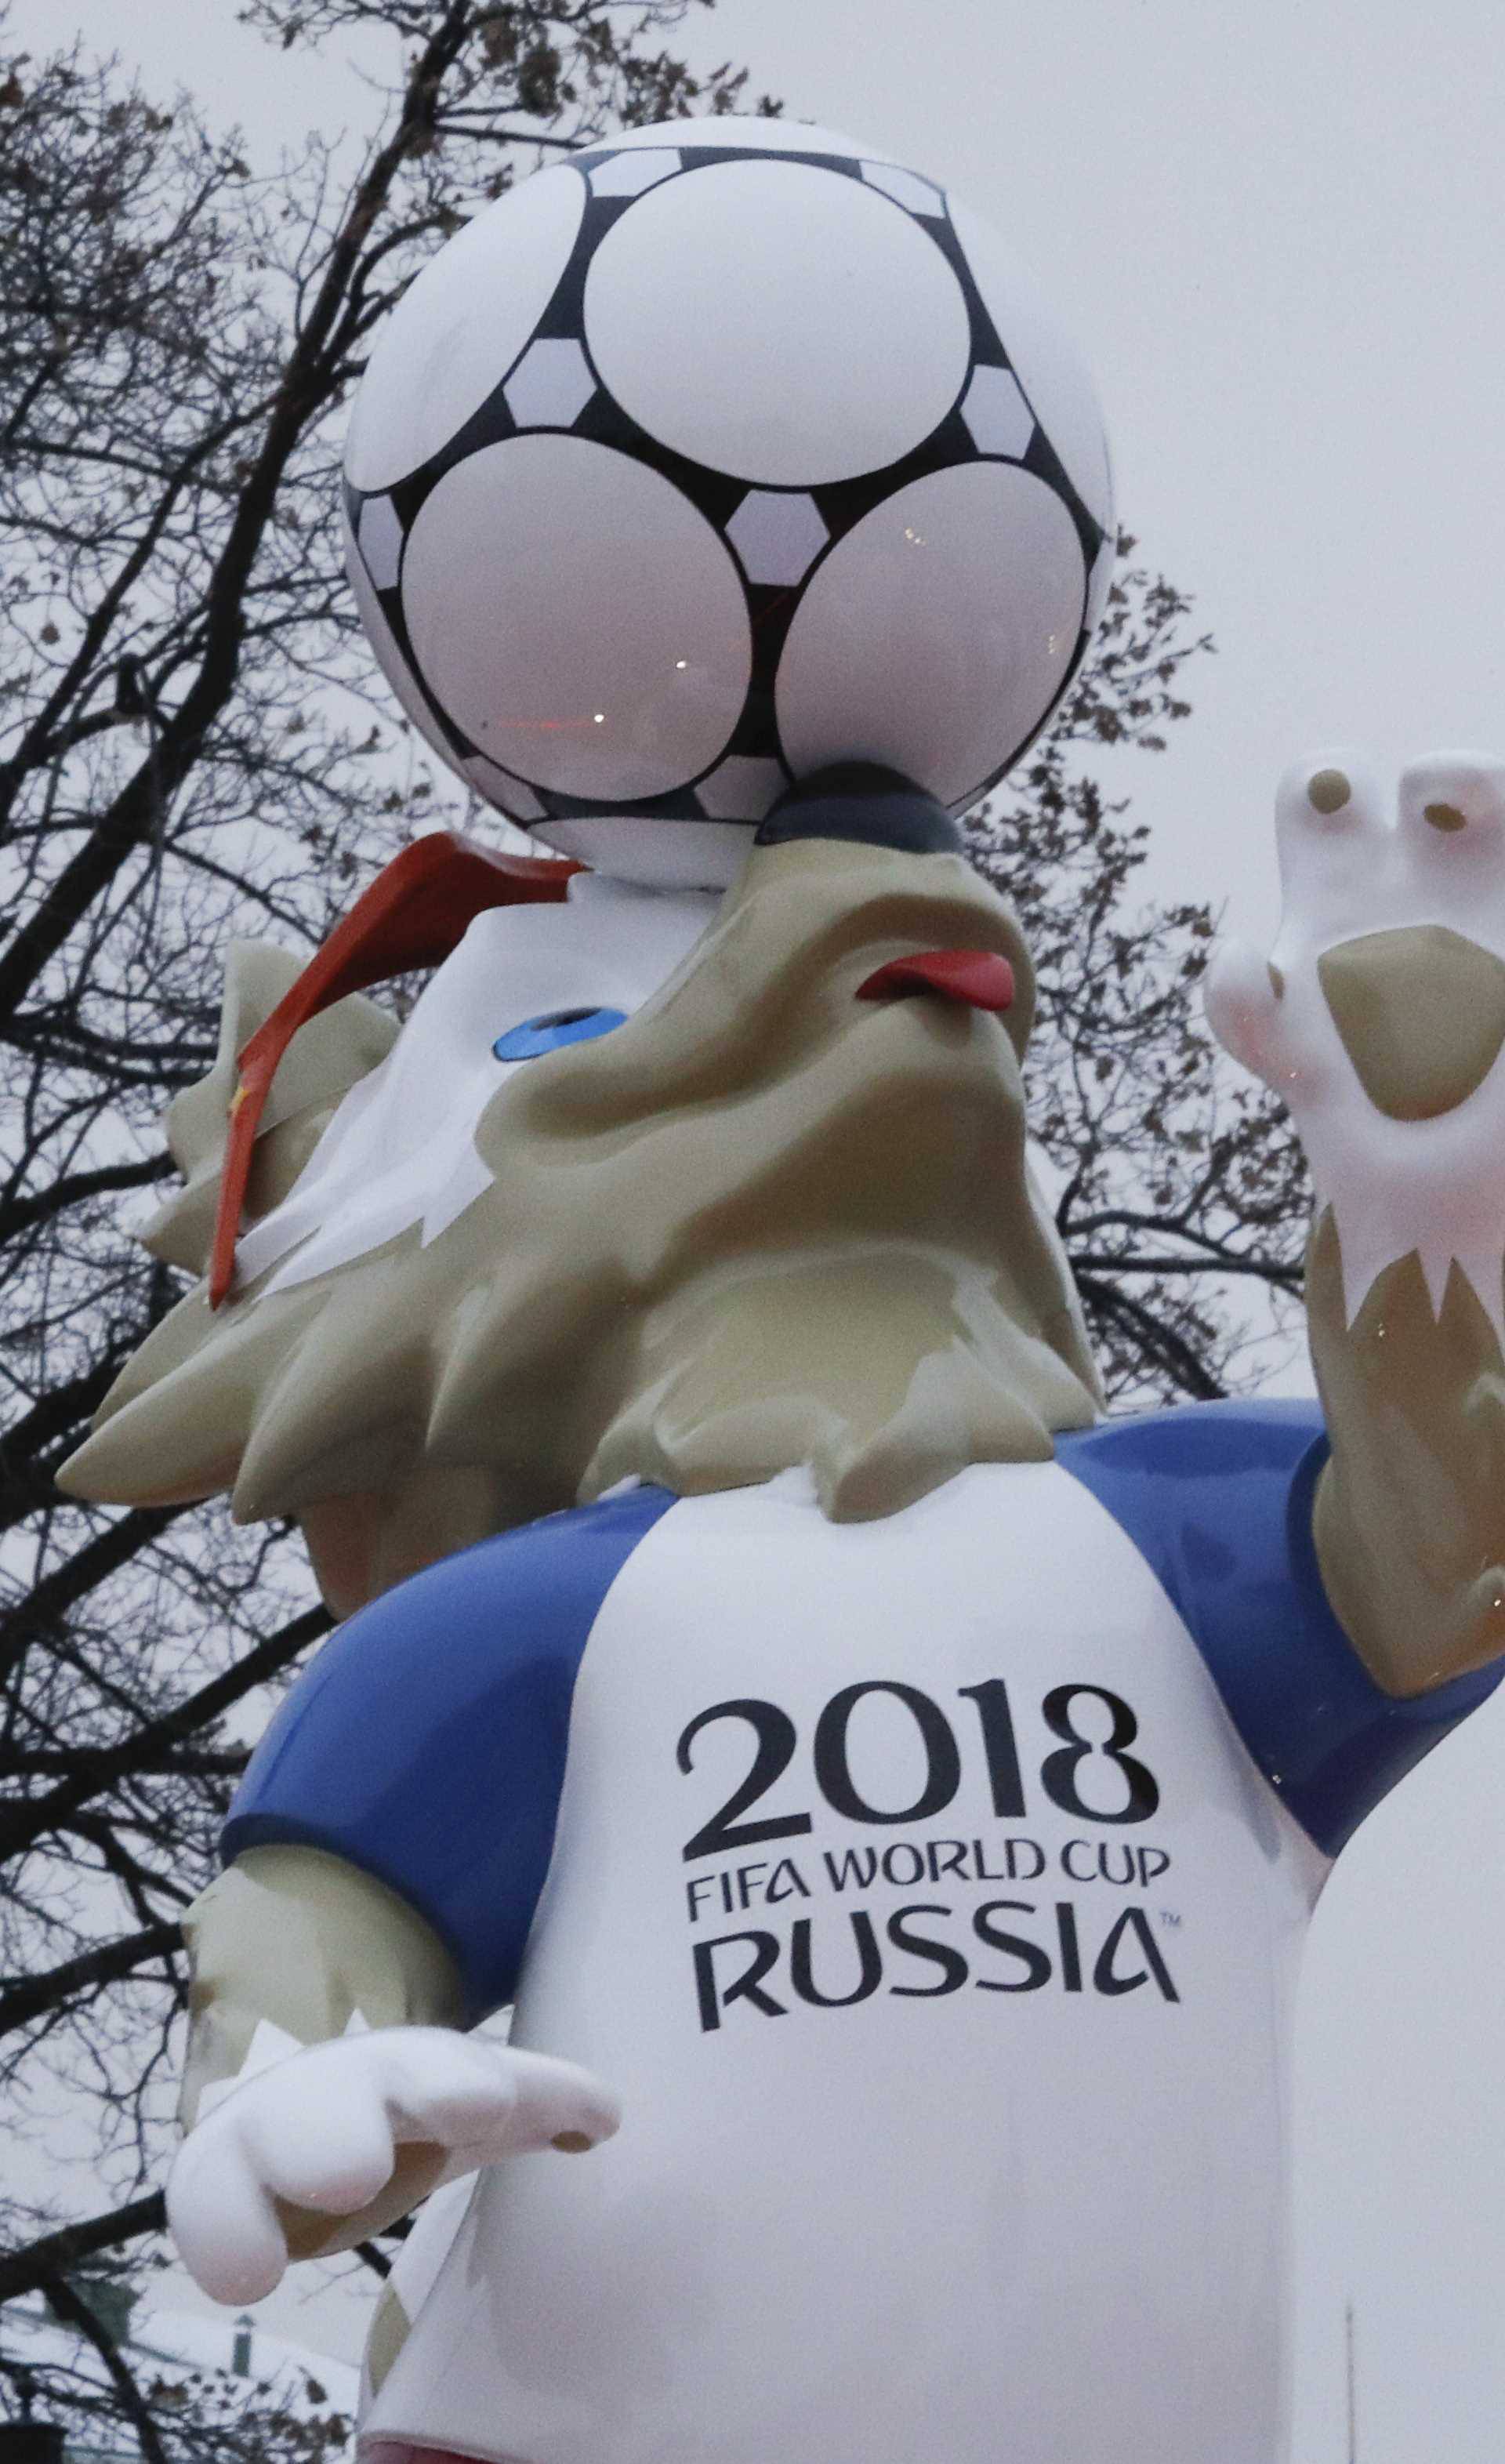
(1328, 791)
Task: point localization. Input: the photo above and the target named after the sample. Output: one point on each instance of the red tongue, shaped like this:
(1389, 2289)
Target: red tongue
(979, 978)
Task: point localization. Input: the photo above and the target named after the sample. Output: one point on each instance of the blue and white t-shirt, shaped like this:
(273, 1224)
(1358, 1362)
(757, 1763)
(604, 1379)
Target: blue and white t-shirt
(931, 1889)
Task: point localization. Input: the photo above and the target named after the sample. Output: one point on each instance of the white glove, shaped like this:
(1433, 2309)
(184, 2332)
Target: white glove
(1427, 1174)
(320, 2129)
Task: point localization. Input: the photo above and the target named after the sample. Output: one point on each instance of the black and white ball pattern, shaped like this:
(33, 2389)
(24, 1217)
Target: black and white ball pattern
(707, 457)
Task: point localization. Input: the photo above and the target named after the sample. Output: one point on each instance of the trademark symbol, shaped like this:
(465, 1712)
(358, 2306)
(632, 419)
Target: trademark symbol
(1170, 1917)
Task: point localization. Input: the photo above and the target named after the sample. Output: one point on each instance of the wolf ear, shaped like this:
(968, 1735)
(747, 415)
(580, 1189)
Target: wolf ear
(414, 914)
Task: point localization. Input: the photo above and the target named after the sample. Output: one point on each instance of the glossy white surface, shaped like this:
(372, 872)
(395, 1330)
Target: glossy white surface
(577, 617)
(661, 855)
(941, 2225)
(510, 794)
(320, 2125)
(784, 324)
(1436, 1186)
(629, 174)
(1046, 360)
(380, 542)
(383, 641)
(550, 386)
(742, 130)
(742, 790)
(998, 418)
(400, 1149)
(777, 534)
(906, 189)
(880, 665)
(458, 327)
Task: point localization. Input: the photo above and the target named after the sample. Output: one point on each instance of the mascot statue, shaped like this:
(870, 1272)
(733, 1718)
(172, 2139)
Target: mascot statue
(752, 1616)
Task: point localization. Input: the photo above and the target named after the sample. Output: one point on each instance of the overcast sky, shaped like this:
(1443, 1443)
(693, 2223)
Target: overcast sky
(1276, 230)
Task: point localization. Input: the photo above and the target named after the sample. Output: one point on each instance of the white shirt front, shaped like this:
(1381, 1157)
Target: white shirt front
(1022, 2199)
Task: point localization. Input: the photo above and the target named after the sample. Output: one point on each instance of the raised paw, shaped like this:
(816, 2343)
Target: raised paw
(1380, 1013)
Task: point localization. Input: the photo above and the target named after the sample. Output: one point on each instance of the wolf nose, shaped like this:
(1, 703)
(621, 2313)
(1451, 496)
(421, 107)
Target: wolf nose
(978, 978)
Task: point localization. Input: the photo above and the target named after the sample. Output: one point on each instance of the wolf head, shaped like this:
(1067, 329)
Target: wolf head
(766, 1222)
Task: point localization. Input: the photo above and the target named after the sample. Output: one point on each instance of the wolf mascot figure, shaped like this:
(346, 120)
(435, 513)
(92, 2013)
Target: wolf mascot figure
(767, 1670)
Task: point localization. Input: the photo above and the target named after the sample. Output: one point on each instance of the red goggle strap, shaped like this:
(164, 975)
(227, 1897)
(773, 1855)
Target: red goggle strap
(415, 912)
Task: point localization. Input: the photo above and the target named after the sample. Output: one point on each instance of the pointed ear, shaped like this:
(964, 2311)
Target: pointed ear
(415, 912)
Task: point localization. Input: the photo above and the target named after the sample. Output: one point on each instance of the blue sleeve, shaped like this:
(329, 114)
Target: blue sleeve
(1218, 1498)
(426, 1741)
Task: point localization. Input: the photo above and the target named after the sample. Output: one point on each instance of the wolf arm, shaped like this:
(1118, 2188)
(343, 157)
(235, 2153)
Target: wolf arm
(292, 1948)
(386, 1851)
(1380, 1018)
(1409, 1514)
(307, 2146)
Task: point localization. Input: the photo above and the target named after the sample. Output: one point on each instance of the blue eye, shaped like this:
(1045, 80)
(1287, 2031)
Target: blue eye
(553, 1027)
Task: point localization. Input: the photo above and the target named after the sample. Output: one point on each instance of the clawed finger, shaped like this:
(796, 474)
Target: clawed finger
(1243, 1003)
(223, 2220)
(319, 2150)
(559, 2099)
(321, 2131)
(494, 2098)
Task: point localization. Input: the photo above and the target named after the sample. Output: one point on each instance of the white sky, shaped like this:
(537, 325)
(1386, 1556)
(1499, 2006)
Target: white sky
(1276, 232)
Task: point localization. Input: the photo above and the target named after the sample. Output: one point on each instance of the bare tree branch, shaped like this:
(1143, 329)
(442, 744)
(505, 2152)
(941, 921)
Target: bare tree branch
(26, 1820)
(24, 1999)
(29, 2270)
(69, 2306)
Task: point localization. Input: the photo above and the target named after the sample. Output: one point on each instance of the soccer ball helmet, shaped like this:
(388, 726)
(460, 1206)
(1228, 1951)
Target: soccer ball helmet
(717, 453)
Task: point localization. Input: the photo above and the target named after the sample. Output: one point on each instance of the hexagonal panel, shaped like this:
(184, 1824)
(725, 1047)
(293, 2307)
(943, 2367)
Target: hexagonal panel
(1045, 361)
(628, 175)
(777, 537)
(742, 790)
(380, 536)
(906, 189)
(475, 307)
(500, 789)
(550, 386)
(998, 418)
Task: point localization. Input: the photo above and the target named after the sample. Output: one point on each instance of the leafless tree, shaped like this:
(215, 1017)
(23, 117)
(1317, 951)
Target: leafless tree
(186, 753)
(1185, 1200)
